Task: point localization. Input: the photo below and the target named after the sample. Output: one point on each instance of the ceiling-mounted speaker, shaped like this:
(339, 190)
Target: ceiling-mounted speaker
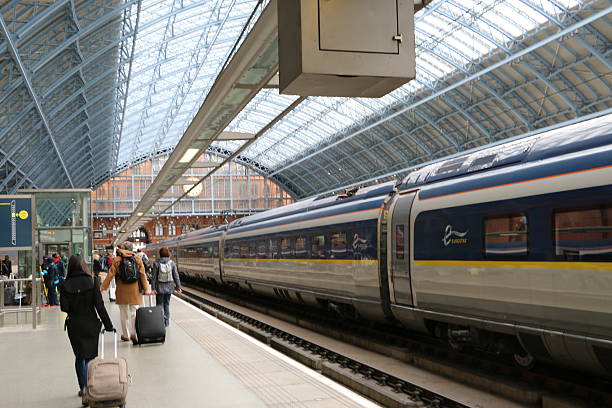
(352, 48)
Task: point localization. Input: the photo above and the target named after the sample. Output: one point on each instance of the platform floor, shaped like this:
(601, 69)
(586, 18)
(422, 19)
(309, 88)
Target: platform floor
(204, 363)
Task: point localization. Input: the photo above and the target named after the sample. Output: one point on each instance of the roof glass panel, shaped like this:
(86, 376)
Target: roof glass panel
(449, 36)
(180, 49)
(182, 45)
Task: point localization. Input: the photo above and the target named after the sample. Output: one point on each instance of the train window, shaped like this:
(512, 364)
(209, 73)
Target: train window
(506, 235)
(244, 249)
(253, 250)
(400, 239)
(236, 250)
(317, 247)
(204, 251)
(300, 247)
(583, 235)
(285, 247)
(338, 245)
(261, 250)
(273, 248)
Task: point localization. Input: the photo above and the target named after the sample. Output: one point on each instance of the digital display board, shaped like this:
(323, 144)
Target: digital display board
(15, 222)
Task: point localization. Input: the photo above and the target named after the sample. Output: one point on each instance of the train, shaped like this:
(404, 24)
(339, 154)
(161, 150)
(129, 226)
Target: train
(506, 249)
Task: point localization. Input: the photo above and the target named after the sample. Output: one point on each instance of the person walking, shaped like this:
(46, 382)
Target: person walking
(127, 271)
(165, 281)
(82, 301)
(97, 268)
(105, 263)
(60, 265)
(8, 265)
(4, 269)
(51, 279)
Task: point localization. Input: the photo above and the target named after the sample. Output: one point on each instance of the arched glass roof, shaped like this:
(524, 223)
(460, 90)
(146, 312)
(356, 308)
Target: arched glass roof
(90, 87)
(181, 47)
(450, 36)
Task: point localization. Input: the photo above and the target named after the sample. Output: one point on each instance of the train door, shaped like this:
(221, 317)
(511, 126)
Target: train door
(398, 254)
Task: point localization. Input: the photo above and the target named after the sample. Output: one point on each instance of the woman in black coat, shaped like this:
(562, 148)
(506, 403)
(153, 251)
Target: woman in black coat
(82, 300)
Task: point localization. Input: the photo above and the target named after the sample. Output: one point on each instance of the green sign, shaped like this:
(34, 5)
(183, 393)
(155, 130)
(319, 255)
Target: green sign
(15, 222)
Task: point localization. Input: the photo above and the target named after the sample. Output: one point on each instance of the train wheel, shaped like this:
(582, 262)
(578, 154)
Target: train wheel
(523, 359)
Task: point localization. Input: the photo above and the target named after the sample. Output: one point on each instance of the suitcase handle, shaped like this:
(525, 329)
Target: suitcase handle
(102, 343)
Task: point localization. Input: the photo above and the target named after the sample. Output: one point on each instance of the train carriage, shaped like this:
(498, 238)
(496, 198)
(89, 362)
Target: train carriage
(507, 249)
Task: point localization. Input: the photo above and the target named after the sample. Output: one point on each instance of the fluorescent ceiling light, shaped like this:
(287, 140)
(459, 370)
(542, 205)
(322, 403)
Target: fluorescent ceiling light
(189, 154)
(139, 214)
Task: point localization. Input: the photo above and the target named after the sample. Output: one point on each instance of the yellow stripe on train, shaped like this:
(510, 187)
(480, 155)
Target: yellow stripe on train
(330, 261)
(598, 266)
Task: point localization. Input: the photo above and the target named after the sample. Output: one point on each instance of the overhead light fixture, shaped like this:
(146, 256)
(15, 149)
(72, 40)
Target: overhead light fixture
(139, 214)
(189, 154)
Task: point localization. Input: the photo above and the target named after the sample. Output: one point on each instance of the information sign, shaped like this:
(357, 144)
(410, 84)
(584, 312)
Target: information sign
(15, 222)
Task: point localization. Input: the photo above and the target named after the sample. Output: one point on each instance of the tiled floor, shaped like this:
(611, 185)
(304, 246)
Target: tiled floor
(276, 382)
(203, 363)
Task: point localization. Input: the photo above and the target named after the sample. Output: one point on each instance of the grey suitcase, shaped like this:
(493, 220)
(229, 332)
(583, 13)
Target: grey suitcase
(107, 380)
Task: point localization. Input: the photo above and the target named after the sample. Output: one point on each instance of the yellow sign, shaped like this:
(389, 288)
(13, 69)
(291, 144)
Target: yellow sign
(23, 214)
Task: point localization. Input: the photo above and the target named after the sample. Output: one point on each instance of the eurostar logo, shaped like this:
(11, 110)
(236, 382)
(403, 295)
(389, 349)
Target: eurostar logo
(449, 233)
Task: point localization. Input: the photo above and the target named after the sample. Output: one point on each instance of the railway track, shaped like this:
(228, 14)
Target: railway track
(545, 387)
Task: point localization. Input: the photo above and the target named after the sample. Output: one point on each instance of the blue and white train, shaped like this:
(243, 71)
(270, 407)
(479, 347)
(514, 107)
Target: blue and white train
(507, 249)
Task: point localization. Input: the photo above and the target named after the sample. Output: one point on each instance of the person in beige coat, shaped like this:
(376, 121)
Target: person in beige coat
(128, 295)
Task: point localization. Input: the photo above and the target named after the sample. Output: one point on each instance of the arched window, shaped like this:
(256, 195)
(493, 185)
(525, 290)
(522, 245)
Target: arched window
(171, 229)
(159, 229)
(184, 228)
(103, 228)
(138, 234)
(115, 228)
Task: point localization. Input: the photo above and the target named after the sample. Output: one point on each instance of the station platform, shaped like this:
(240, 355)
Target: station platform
(204, 363)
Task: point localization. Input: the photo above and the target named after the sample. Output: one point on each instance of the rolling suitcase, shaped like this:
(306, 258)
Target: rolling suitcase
(107, 380)
(150, 327)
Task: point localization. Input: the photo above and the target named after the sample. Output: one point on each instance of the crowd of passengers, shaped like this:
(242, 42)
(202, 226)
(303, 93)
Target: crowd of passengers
(80, 296)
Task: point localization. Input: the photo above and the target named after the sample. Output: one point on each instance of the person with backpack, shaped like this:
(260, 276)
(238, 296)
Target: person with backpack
(146, 263)
(165, 281)
(127, 271)
(82, 301)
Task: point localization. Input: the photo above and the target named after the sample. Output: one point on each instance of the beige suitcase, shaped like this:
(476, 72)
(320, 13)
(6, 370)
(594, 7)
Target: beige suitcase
(107, 380)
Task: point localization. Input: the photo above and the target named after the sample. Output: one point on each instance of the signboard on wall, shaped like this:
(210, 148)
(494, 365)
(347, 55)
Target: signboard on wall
(15, 222)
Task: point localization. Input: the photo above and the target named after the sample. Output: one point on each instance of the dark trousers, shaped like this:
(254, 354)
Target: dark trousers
(80, 365)
(52, 295)
(163, 301)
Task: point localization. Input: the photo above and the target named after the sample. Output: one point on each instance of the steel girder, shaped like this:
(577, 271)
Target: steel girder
(55, 56)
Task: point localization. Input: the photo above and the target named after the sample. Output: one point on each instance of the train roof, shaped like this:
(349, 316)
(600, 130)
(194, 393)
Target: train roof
(193, 235)
(561, 141)
(569, 139)
(316, 203)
